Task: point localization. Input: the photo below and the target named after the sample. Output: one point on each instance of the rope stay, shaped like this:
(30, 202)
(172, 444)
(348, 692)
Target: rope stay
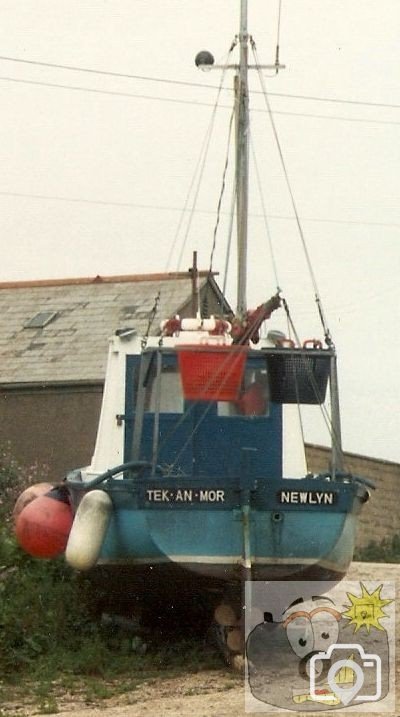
(194, 188)
(311, 378)
(335, 437)
(226, 164)
(230, 235)
(265, 216)
(327, 334)
(150, 322)
(185, 209)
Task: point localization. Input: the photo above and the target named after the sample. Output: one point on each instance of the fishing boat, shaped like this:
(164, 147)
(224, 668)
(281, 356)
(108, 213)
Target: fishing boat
(198, 481)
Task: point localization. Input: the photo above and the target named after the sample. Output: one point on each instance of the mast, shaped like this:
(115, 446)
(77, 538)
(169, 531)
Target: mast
(242, 160)
(205, 61)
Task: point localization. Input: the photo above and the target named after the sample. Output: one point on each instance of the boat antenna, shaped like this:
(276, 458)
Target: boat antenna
(205, 61)
(278, 33)
(193, 271)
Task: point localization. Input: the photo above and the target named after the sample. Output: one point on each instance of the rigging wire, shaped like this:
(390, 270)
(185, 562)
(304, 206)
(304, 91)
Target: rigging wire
(88, 70)
(205, 154)
(151, 319)
(324, 411)
(115, 93)
(168, 81)
(327, 334)
(264, 213)
(230, 235)
(336, 118)
(137, 205)
(200, 174)
(183, 211)
(222, 189)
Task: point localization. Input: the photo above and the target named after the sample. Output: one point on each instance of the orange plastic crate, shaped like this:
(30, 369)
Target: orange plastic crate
(211, 373)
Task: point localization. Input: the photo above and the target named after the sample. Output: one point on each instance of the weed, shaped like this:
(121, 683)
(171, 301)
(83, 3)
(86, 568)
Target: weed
(50, 638)
(387, 551)
(14, 479)
(48, 706)
(97, 690)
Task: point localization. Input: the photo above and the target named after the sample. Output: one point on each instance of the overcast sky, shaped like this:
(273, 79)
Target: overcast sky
(94, 180)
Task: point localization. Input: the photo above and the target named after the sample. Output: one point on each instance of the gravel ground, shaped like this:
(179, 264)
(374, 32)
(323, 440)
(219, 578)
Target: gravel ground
(207, 694)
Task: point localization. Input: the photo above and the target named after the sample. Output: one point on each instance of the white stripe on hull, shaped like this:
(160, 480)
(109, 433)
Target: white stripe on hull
(195, 562)
(207, 560)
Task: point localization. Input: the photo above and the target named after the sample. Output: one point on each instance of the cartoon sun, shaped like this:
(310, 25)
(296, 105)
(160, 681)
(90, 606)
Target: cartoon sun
(366, 609)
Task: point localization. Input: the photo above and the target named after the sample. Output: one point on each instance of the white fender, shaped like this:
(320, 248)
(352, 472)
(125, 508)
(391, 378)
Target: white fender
(88, 530)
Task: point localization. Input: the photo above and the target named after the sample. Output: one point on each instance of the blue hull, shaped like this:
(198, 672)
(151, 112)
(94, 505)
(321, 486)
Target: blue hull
(210, 541)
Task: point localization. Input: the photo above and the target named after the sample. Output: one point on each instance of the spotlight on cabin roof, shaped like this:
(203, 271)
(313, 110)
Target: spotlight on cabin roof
(275, 337)
(204, 60)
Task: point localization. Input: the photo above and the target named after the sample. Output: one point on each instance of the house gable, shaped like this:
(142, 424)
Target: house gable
(57, 331)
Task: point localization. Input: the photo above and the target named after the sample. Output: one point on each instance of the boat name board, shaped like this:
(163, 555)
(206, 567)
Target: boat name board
(227, 498)
(307, 497)
(184, 495)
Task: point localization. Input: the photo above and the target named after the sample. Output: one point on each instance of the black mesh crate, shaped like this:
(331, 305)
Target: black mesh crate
(299, 375)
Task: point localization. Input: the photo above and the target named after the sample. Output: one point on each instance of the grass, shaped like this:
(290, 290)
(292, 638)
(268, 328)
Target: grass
(95, 673)
(51, 643)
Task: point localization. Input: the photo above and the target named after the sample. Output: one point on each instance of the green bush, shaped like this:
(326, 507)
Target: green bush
(387, 551)
(43, 604)
(48, 624)
(14, 479)
(42, 607)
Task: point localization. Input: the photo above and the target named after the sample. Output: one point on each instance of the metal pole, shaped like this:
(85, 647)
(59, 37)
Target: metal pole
(195, 286)
(242, 159)
(156, 424)
(337, 451)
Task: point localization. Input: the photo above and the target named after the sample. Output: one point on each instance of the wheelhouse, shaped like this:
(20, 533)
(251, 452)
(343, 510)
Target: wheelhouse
(206, 436)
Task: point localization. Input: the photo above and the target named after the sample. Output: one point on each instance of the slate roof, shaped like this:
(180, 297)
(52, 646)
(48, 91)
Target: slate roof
(73, 345)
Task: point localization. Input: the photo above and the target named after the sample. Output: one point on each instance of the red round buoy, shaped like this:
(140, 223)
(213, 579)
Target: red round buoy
(43, 526)
(30, 494)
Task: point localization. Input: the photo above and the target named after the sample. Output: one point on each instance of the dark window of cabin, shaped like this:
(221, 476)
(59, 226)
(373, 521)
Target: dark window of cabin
(171, 396)
(254, 396)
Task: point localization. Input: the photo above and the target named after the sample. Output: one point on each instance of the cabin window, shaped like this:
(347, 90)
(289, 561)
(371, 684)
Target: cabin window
(253, 399)
(171, 398)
